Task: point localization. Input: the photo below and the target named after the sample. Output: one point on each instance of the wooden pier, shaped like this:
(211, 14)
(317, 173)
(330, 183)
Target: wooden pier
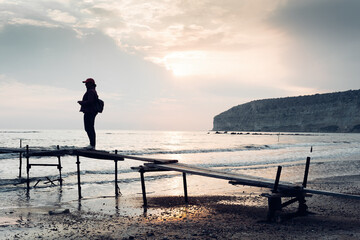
(279, 189)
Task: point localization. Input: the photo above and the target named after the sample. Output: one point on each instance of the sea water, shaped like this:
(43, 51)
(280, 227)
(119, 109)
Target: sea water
(237, 152)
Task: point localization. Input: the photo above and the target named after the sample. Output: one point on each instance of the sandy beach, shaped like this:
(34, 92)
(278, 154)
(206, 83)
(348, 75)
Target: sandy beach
(205, 217)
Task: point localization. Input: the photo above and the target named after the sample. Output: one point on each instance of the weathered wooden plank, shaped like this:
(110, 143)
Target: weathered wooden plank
(44, 164)
(248, 180)
(12, 150)
(97, 154)
(242, 179)
(47, 153)
(151, 160)
(148, 169)
(326, 193)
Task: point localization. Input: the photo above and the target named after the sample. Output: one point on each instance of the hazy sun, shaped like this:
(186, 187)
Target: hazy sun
(184, 64)
(255, 65)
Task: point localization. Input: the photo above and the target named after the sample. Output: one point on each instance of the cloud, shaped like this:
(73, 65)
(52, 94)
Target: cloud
(31, 22)
(322, 50)
(160, 29)
(330, 19)
(60, 16)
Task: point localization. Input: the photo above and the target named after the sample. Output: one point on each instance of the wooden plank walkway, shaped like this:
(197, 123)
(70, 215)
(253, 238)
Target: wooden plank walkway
(167, 165)
(278, 188)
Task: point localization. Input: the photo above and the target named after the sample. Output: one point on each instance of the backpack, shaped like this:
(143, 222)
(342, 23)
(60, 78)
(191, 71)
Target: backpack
(99, 105)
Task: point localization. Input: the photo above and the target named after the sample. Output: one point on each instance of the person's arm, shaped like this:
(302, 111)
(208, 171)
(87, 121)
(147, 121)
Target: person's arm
(91, 98)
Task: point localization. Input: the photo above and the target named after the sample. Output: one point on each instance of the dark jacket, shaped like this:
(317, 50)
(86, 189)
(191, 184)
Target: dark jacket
(88, 101)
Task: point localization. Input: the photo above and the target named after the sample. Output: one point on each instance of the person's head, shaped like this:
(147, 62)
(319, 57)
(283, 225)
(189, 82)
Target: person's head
(90, 83)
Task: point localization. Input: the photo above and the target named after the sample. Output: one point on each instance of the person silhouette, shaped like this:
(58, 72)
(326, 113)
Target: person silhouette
(88, 108)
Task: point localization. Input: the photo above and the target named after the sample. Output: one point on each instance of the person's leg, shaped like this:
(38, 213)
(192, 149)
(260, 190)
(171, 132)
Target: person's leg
(89, 123)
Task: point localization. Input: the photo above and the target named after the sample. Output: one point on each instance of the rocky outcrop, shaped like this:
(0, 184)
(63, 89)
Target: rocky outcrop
(331, 112)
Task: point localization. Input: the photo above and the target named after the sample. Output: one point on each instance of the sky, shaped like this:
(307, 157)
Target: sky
(168, 64)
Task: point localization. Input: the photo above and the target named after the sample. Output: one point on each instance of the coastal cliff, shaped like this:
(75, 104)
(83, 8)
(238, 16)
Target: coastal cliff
(330, 112)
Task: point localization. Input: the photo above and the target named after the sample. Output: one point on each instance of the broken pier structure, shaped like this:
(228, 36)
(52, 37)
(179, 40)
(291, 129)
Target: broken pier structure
(279, 189)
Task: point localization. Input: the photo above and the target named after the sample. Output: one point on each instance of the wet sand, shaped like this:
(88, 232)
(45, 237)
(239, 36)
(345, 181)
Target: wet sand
(205, 217)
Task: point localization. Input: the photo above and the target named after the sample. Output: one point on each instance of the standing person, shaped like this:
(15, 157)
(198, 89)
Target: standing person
(88, 108)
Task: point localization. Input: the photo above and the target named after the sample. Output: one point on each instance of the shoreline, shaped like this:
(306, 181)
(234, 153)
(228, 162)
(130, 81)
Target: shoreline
(210, 217)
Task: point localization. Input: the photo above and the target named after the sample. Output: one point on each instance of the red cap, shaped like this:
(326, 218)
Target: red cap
(89, 80)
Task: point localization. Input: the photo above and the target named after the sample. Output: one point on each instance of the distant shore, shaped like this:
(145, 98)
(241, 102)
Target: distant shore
(339, 113)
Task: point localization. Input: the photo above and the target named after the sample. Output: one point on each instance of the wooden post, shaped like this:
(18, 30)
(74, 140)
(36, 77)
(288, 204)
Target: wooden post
(302, 209)
(185, 188)
(27, 168)
(59, 166)
(116, 177)
(78, 175)
(20, 159)
(274, 202)
(274, 207)
(143, 186)
(306, 172)
(278, 173)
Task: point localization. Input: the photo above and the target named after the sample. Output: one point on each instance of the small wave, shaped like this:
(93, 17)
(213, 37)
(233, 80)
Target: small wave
(104, 172)
(10, 185)
(150, 151)
(19, 131)
(250, 164)
(5, 156)
(130, 180)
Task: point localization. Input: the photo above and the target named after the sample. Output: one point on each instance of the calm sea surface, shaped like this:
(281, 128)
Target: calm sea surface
(251, 153)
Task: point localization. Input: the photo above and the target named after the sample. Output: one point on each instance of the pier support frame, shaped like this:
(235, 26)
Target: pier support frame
(143, 169)
(297, 195)
(29, 165)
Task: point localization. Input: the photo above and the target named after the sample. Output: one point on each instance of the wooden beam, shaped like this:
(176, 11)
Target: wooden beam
(12, 150)
(44, 164)
(326, 193)
(277, 180)
(151, 160)
(149, 169)
(306, 173)
(47, 153)
(242, 179)
(97, 154)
